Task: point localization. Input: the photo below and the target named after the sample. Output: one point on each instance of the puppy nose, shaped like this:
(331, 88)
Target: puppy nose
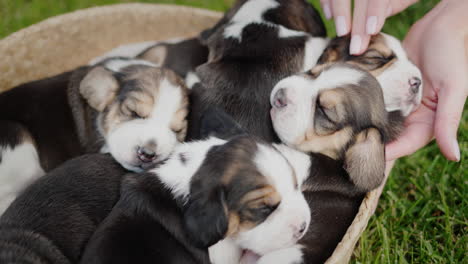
(146, 155)
(279, 99)
(301, 230)
(414, 83)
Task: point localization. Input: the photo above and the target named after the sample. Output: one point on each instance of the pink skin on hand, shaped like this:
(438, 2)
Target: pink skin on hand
(438, 45)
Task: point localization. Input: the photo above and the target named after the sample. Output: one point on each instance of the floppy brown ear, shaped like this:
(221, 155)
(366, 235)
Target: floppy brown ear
(365, 160)
(99, 88)
(206, 215)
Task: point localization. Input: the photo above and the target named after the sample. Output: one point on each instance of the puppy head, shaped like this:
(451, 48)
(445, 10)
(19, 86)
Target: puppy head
(141, 109)
(386, 60)
(248, 192)
(340, 114)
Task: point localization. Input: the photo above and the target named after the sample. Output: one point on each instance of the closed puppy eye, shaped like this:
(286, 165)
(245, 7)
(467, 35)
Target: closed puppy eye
(267, 209)
(322, 111)
(178, 130)
(374, 54)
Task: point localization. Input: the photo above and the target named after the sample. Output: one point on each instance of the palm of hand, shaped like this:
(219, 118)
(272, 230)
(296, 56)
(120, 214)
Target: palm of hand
(439, 51)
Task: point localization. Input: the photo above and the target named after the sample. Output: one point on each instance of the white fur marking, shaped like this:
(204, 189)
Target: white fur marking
(19, 167)
(177, 176)
(252, 12)
(313, 49)
(191, 79)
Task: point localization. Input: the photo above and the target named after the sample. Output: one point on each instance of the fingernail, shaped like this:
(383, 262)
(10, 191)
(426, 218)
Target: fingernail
(355, 46)
(327, 11)
(389, 10)
(371, 25)
(456, 150)
(341, 28)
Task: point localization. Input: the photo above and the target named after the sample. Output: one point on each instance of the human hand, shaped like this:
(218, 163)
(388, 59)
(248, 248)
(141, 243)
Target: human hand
(438, 45)
(368, 18)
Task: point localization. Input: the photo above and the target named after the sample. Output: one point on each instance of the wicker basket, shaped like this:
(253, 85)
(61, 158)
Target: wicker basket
(64, 42)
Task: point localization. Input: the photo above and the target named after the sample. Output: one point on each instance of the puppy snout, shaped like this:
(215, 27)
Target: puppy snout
(300, 230)
(146, 154)
(279, 99)
(415, 83)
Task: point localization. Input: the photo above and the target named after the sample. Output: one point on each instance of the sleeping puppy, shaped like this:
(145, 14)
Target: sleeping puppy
(130, 108)
(255, 44)
(338, 117)
(180, 55)
(239, 190)
(386, 60)
(52, 220)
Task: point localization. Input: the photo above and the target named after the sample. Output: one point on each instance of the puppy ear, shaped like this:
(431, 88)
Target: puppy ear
(336, 50)
(216, 122)
(99, 88)
(205, 218)
(365, 160)
(155, 54)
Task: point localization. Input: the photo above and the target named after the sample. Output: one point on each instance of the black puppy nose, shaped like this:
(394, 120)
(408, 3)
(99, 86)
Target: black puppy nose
(302, 228)
(414, 83)
(279, 99)
(146, 155)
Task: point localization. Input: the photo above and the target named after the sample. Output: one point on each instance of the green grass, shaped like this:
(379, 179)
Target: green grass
(422, 215)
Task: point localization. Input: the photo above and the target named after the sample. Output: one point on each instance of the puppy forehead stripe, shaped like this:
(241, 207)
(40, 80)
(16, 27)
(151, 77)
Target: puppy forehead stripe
(252, 12)
(394, 45)
(118, 64)
(168, 101)
(275, 167)
(337, 76)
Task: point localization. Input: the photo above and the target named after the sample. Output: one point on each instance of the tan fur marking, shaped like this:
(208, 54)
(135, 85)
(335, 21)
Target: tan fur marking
(329, 145)
(234, 224)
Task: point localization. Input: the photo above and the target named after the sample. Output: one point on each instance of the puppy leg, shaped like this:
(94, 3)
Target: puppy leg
(292, 255)
(19, 162)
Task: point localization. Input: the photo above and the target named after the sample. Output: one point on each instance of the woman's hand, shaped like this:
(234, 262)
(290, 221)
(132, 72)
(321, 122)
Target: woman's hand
(368, 18)
(438, 45)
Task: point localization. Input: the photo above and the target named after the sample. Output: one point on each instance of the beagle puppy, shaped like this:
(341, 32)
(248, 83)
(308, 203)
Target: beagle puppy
(386, 60)
(182, 55)
(241, 191)
(256, 44)
(336, 116)
(127, 107)
(52, 220)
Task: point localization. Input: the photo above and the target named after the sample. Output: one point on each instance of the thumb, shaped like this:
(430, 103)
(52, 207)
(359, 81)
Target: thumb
(418, 132)
(450, 104)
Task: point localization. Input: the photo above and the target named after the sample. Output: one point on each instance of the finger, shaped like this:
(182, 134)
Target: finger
(377, 12)
(359, 37)
(341, 10)
(418, 132)
(326, 8)
(449, 110)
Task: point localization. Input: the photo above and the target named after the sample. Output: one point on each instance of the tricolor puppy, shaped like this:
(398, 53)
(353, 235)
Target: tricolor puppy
(338, 117)
(386, 60)
(52, 219)
(241, 190)
(130, 108)
(256, 44)
(180, 55)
